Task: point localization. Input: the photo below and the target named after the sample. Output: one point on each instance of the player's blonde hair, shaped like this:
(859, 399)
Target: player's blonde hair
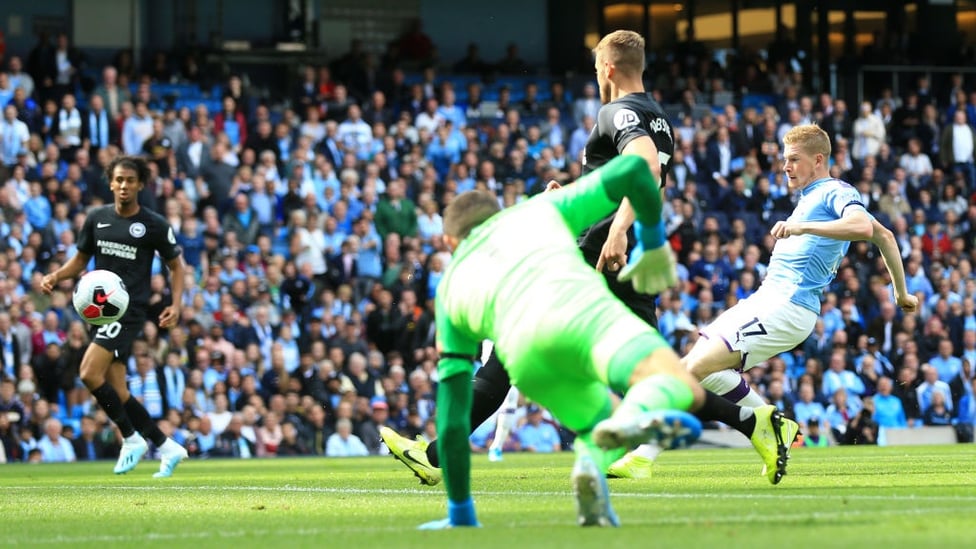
(467, 211)
(624, 49)
(809, 138)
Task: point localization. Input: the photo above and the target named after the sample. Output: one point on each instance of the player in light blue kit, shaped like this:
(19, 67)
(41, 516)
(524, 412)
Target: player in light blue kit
(811, 244)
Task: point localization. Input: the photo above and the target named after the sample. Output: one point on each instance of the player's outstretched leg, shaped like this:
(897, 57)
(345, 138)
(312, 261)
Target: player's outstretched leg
(670, 429)
(772, 438)
(413, 454)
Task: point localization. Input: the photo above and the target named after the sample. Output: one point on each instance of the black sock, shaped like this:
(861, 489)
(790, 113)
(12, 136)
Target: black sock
(717, 408)
(109, 400)
(140, 417)
(489, 387)
(483, 405)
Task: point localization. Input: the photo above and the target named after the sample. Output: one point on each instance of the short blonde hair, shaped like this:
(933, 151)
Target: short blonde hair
(468, 210)
(624, 49)
(810, 138)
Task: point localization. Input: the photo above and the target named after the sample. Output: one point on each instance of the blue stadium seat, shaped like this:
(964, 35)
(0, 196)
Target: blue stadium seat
(757, 100)
(213, 105)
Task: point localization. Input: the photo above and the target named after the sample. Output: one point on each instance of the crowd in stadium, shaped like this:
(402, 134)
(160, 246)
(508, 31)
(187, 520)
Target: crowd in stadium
(311, 226)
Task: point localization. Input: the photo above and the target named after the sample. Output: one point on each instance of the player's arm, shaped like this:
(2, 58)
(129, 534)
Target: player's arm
(598, 193)
(651, 267)
(169, 250)
(171, 314)
(885, 240)
(614, 252)
(457, 355)
(71, 269)
(853, 225)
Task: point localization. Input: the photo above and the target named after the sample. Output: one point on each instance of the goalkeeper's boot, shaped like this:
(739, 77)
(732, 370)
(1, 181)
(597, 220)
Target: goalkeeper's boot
(670, 429)
(133, 448)
(772, 438)
(170, 455)
(631, 466)
(592, 495)
(413, 454)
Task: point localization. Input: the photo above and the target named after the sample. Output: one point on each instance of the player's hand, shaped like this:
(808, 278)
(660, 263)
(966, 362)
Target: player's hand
(48, 283)
(169, 316)
(613, 256)
(785, 229)
(552, 185)
(908, 303)
(652, 271)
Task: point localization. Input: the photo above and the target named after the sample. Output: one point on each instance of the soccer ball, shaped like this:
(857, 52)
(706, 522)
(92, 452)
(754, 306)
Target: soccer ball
(100, 297)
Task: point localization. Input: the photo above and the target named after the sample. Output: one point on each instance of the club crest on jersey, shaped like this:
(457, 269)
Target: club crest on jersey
(137, 230)
(625, 118)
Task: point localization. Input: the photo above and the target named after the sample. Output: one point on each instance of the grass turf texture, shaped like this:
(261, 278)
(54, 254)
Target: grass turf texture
(838, 497)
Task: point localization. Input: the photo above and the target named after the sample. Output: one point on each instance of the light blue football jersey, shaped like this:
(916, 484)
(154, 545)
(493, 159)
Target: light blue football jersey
(802, 266)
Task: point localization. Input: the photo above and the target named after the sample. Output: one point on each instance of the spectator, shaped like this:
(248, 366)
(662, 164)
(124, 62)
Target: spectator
(291, 444)
(511, 63)
(537, 435)
(889, 411)
(242, 220)
(396, 213)
(930, 385)
(956, 148)
(841, 411)
(869, 133)
(938, 412)
(14, 137)
(369, 431)
(270, 435)
(917, 165)
(88, 446)
(343, 443)
(231, 443)
(967, 415)
(806, 407)
(814, 438)
(588, 104)
(945, 362)
(54, 447)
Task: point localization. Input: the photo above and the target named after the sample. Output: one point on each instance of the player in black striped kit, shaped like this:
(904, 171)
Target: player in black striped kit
(123, 238)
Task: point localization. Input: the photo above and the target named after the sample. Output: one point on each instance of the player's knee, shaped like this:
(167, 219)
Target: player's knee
(697, 368)
(493, 390)
(91, 378)
(661, 361)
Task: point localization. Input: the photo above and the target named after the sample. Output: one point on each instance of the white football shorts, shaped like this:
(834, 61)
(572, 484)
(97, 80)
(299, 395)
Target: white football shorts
(761, 326)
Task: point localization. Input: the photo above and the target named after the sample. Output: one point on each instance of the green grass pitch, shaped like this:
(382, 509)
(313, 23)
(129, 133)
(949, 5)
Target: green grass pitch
(916, 497)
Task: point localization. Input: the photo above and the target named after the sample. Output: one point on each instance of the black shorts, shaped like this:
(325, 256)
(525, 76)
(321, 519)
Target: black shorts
(118, 336)
(642, 305)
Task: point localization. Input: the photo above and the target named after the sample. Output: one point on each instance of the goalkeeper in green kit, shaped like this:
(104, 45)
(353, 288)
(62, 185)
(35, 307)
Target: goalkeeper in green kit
(519, 279)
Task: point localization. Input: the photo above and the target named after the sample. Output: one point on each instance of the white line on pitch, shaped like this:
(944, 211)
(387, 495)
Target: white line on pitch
(439, 493)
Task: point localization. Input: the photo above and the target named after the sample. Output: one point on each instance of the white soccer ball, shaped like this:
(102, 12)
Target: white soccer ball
(100, 297)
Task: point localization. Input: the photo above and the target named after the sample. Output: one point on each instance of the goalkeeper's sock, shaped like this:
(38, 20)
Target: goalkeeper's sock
(716, 408)
(140, 418)
(584, 445)
(109, 400)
